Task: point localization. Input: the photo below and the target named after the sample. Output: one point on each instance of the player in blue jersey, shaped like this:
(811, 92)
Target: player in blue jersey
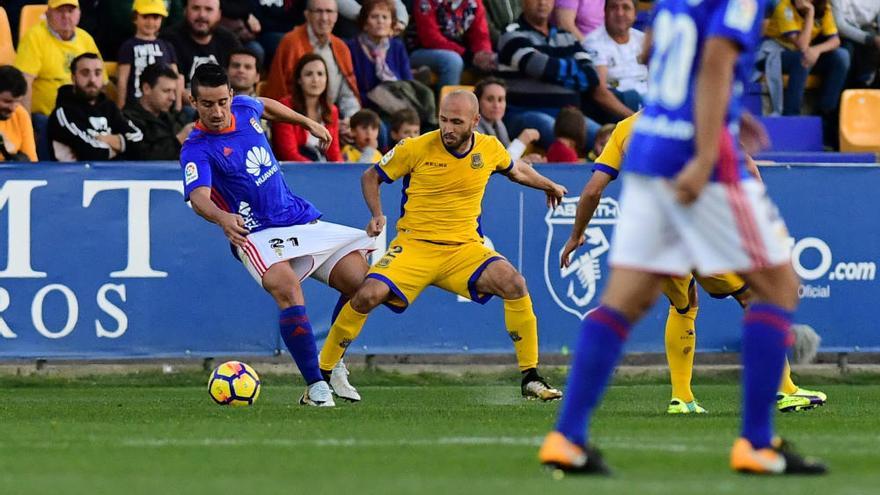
(232, 179)
(688, 203)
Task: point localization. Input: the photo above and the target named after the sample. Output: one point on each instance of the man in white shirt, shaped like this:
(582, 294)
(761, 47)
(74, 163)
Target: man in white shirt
(857, 21)
(615, 49)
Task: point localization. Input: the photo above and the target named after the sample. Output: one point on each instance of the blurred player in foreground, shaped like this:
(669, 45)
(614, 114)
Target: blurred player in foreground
(688, 203)
(681, 292)
(439, 241)
(233, 180)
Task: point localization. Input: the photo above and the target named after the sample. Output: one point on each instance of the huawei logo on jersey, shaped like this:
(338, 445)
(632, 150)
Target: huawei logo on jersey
(257, 157)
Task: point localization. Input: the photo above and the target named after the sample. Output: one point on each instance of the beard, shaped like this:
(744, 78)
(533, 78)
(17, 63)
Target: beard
(460, 139)
(89, 93)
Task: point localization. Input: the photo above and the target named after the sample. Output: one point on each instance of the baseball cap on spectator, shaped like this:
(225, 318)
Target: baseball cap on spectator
(147, 7)
(54, 4)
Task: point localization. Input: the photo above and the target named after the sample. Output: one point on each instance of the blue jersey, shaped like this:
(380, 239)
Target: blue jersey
(242, 172)
(664, 137)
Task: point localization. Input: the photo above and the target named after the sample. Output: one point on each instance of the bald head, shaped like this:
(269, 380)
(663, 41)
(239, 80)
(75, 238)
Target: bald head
(459, 114)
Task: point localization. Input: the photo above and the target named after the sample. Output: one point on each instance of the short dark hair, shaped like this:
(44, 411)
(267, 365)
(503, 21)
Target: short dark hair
(209, 75)
(486, 82)
(151, 74)
(82, 56)
(570, 124)
(245, 51)
(365, 118)
(405, 116)
(12, 80)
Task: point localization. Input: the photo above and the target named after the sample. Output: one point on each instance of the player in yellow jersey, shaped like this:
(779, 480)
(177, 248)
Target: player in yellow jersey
(680, 323)
(439, 241)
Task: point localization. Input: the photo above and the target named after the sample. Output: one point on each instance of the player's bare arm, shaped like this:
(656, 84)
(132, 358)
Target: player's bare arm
(525, 174)
(370, 182)
(710, 108)
(232, 224)
(587, 204)
(278, 112)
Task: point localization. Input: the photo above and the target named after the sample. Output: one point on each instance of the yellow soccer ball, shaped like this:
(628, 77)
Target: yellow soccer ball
(234, 383)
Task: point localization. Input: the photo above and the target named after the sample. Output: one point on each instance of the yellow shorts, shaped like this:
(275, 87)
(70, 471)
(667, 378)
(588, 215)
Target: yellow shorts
(411, 265)
(718, 286)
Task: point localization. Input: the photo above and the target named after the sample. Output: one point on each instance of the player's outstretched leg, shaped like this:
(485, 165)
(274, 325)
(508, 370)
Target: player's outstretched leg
(600, 343)
(681, 340)
(500, 278)
(296, 332)
(766, 337)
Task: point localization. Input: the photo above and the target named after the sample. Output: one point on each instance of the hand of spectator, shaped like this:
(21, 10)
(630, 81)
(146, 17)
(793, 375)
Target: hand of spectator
(529, 136)
(376, 226)
(534, 158)
(804, 7)
(254, 24)
(320, 132)
(184, 133)
(485, 61)
(752, 134)
(809, 57)
(571, 246)
(233, 227)
(112, 140)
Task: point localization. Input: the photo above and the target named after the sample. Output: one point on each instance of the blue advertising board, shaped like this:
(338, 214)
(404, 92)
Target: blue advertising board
(107, 261)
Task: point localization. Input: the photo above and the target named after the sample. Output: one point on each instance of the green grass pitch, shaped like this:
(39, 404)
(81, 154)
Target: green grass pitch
(162, 434)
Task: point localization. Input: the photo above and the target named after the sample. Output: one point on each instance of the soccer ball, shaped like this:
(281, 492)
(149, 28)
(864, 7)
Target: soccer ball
(234, 383)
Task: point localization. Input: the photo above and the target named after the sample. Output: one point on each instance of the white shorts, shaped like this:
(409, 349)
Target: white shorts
(730, 228)
(312, 249)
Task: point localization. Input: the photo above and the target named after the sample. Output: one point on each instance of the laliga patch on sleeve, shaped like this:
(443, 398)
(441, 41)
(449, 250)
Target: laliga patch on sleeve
(388, 156)
(740, 14)
(190, 173)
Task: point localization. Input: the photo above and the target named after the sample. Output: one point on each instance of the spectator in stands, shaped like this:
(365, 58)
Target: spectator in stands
(244, 71)
(144, 49)
(499, 15)
(239, 19)
(448, 34)
(365, 131)
(404, 124)
(348, 25)
(808, 34)
(310, 97)
(602, 137)
(492, 95)
(43, 56)
(615, 49)
(16, 131)
(580, 17)
(164, 129)
(117, 13)
(200, 38)
(377, 55)
(537, 49)
(859, 25)
(316, 37)
(277, 18)
(570, 129)
(86, 125)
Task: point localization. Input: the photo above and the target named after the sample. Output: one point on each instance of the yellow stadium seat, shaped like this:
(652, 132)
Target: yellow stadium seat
(30, 16)
(7, 53)
(860, 120)
(445, 90)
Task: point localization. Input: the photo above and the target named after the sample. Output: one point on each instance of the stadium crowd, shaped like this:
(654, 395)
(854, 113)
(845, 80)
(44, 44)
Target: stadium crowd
(108, 80)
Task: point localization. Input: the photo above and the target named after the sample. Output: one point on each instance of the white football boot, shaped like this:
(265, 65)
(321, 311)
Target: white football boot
(317, 394)
(340, 384)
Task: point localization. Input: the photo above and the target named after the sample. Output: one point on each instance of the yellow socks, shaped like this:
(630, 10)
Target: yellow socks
(522, 326)
(787, 386)
(681, 342)
(344, 330)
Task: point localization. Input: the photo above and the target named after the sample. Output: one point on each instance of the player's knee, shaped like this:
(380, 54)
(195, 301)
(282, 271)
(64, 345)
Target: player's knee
(513, 286)
(368, 297)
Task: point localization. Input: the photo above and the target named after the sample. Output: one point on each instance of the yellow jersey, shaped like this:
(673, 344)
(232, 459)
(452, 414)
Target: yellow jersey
(18, 134)
(351, 154)
(786, 20)
(443, 192)
(611, 158)
(47, 57)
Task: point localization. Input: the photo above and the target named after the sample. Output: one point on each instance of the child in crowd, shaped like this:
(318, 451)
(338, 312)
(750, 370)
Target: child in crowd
(365, 132)
(570, 130)
(404, 124)
(144, 49)
(602, 137)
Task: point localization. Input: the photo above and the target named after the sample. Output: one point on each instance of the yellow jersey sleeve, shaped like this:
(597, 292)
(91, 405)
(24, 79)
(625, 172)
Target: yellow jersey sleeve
(785, 20)
(501, 161)
(397, 162)
(611, 158)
